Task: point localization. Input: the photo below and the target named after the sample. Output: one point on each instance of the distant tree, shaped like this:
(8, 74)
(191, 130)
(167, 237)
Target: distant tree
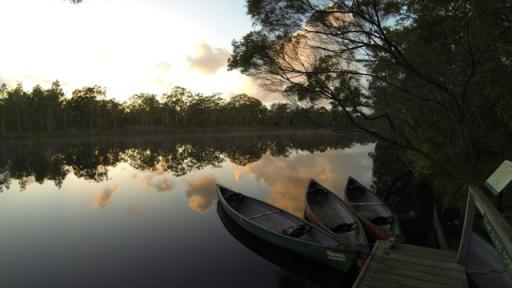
(279, 114)
(205, 110)
(246, 110)
(144, 107)
(54, 98)
(3, 108)
(114, 113)
(36, 113)
(16, 103)
(84, 106)
(175, 102)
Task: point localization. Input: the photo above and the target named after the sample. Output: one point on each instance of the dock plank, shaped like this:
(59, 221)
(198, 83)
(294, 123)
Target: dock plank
(425, 253)
(434, 270)
(415, 260)
(409, 266)
(451, 280)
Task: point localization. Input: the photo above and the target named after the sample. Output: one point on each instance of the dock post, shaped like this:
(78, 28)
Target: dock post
(467, 229)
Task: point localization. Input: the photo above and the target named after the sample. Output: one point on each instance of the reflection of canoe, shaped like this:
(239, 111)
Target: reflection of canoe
(294, 265)
(285, 230)
(375, 216)
(329, 212)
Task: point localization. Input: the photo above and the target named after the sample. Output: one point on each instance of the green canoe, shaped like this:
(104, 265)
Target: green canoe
(286, 231)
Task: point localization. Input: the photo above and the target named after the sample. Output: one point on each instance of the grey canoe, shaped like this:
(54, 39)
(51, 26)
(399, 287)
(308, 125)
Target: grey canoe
(286, 230)
(375, 216)
(331, 213)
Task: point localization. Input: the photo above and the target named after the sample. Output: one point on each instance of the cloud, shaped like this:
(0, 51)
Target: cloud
(157, 180)
(209, 59)
(102, 199)
(164, 67)
(201, 194)
(105, 57)
(255, 88)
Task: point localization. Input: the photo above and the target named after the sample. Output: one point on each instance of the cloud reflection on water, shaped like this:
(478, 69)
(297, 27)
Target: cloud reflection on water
(201, 193)
(287, 178)
(160, 181)
(279, 171)
(134, 209)
(102, 199)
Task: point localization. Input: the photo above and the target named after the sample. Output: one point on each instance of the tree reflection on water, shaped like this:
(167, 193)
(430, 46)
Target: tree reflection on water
(89, 159)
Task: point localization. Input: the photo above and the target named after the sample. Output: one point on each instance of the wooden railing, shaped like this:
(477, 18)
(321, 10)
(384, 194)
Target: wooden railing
(497, 227)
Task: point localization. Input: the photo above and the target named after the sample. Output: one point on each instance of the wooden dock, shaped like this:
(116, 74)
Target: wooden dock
(411, 266)
(401, 265)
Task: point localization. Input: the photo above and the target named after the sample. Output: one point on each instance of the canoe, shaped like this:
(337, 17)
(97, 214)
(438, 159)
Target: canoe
(286, 230)
(329, 212)
(375, 216)
(296, 266)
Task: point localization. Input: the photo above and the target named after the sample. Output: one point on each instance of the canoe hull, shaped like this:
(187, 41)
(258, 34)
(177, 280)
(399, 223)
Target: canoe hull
(336, 258)
(373, 231)
(347, 214)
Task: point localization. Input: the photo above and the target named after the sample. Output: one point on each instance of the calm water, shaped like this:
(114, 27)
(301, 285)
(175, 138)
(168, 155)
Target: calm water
(143, 213)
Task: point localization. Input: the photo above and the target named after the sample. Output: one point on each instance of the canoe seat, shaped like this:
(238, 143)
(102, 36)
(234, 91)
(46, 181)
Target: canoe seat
(381, 221)
(234, 196)
(319, 191)
(367, 204)
(297, 231)
(263, 214)
(344, 227)
(355, 188)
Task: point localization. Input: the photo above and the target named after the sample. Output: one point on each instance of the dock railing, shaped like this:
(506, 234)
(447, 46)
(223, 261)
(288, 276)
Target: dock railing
(497, 227)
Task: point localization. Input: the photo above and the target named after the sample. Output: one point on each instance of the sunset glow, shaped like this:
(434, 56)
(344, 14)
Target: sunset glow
(126, 46)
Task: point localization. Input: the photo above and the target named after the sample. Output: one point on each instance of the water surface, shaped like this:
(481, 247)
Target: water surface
(142, 212)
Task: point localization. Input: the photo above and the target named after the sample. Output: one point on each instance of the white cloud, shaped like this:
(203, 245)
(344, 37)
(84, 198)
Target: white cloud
(208, 59)
(126, 46)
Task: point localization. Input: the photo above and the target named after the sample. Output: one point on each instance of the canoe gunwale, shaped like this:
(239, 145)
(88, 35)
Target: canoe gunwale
(340, 246)
(376, 232)
(356, 217)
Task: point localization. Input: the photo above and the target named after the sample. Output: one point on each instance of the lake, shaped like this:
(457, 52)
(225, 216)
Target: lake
(142, 212)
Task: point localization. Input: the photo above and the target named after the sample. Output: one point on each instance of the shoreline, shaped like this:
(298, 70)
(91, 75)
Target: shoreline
(135, 132)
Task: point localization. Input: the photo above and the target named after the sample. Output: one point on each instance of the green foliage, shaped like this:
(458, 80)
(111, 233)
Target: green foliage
(504, 110)
(431, 78)
(251, 54)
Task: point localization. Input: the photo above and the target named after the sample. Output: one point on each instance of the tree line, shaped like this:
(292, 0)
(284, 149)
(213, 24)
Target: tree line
(48, 110)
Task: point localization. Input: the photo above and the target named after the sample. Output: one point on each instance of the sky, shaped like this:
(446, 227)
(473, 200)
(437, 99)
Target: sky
(127, 46)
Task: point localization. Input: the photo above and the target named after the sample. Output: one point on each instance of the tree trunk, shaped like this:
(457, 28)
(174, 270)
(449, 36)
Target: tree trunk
(18, 120)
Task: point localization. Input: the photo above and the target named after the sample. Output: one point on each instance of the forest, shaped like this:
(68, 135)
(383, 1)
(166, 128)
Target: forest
(43, 111)
(432, 79)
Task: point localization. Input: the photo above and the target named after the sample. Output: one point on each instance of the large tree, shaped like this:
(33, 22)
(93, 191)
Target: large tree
(430, 77)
